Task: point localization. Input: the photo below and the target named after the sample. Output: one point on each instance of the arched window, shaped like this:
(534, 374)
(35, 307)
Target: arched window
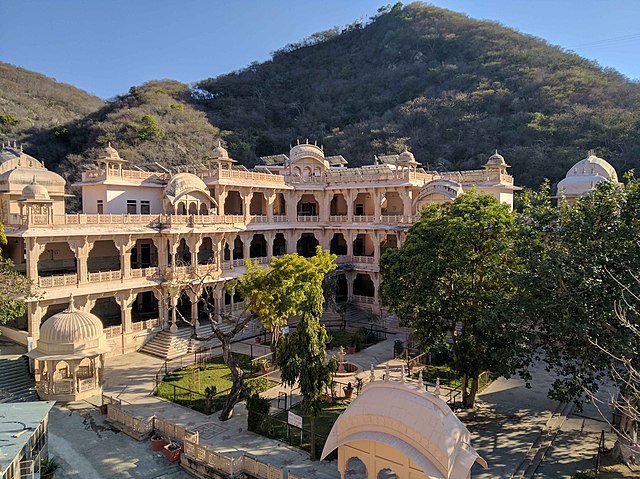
(355, 469)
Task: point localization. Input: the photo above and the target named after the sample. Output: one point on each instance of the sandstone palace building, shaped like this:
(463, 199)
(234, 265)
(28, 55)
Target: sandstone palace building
(143, 230)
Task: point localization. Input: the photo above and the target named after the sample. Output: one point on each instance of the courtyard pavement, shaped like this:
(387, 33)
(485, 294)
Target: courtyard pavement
(508, 420)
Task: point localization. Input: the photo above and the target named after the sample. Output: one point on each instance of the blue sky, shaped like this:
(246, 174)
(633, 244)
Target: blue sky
(106, 46)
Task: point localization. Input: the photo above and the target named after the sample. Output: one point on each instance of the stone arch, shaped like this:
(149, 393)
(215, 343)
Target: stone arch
(279, 245)
(363, 205)
(258, 205)
(338, 205)
(103, 256)
(355, 468)
(258, 246)
(280, 205)
(342, 289)
(206, 253)
(193, 208)
(392, 204)
(204, 210)
(338, 244)
(57, 258)
(307, 171)
(183, 255)
(363, 245)
(233, 203)
(144, 307)
(306, 245)
(144, 254)
(437, 192)
(387, 473)
(308, 205)
(390, 241)
(363, 285)
(181, 209)
(238, 248)
(108, 310)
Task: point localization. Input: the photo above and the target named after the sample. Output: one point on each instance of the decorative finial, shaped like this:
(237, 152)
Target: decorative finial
(315, 142)
(386, 372)
(419, 385)
(219, 143)
(437, 390)
(403, 379)
(33, 180)
(72, 304)
(298, 140)
(109, 145)
(307, 141)
(372, 374)
(15, 145)
(496, 151)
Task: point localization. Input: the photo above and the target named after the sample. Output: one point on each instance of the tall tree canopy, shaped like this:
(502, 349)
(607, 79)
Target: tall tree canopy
(450, 281)
(14, 287)
(580, 293)
(301, 355)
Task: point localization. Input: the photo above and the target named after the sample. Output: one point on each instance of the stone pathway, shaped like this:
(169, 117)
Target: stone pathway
(507, 425)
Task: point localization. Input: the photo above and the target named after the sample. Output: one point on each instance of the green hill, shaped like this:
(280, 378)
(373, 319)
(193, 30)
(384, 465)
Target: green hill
(449, 87)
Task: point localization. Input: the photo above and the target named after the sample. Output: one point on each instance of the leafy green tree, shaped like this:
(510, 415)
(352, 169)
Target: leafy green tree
(581, 292)
(149, 129)
(301, 355)
(450, 281)
(274, 294)
(14, 287)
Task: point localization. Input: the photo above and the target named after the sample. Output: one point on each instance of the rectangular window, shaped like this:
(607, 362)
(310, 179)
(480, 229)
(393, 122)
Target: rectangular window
(132, 207)
(145, 207)
(100, 207)
(359, 209)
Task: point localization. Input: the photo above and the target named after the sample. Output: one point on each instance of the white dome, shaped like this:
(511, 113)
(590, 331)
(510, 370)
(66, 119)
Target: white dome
(585, 175)
(183, 182)
(111, 154)
(35, 191)
(219, 152)
(496, 160)
(72, 333)
(406, 157)
(411, 420)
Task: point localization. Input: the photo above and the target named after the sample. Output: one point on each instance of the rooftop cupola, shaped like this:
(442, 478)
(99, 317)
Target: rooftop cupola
(496, 162)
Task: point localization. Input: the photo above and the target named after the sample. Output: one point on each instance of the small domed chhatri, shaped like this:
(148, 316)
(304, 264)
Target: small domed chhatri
(71, 350)
(35, 191)
(584, 176)
(219, 152)
(496, 160)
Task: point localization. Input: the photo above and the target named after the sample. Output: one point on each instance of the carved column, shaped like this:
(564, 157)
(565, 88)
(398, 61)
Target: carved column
(124, 244)
(377, 205)
(349, 198)
(271, 199)
(219, 301)
(246, 203)
(269, 237)
(349, 238)
(174, 304)
(34, 318)
(406, 203)
(246, 245)
(350, 276)
(323, 204)
(161, 247)
(34, 250)
(161, 296)
(125, 299)
(81, 248)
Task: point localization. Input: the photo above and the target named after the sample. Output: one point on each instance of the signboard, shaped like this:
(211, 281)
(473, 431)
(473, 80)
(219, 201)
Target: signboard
(294, 420)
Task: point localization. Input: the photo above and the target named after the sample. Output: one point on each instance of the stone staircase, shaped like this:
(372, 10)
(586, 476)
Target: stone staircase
(16, 384)
(168, 345)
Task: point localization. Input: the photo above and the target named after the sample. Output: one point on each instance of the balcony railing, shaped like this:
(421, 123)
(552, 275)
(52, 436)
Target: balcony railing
(308, 219)
(258, 219)
(59, 280)
(105, 276)
(364, 219)
(280, 218)
(144, 272)
(338, 219)
(364, 299)
(364, 259)
(144, 325)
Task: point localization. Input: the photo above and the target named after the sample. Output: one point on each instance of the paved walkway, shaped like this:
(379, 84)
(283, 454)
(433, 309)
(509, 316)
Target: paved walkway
(506, 423)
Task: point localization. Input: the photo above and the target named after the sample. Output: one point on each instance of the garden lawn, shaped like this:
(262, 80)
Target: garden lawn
(190, 386)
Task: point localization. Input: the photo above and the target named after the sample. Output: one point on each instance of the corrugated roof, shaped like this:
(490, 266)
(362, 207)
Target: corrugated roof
(18, 422)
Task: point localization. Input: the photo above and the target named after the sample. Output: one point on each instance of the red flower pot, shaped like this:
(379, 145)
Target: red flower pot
(157, 444)
(172, 452)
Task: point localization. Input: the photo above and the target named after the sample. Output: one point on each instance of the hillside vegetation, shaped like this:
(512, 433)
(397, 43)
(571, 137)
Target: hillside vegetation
(450, 88)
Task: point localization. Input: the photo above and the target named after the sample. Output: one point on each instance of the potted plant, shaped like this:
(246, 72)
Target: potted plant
(48, 468)
(265, 365)
(258, 339)
(352, 347)
(172, 452)
(348, 391)
(157, 442)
